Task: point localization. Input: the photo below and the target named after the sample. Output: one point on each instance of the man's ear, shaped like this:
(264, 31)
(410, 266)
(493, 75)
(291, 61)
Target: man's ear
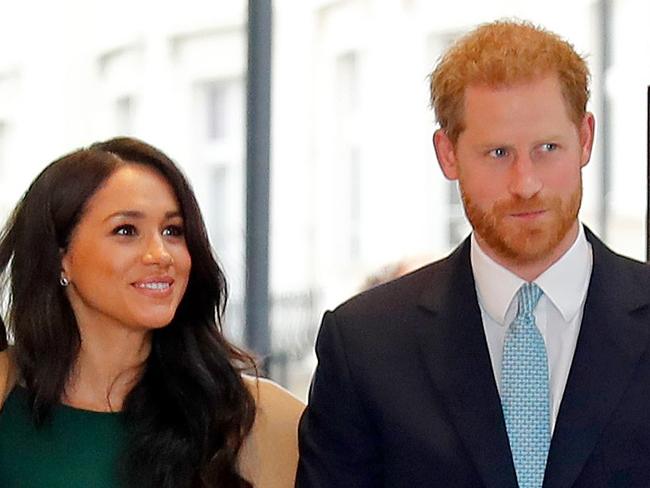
(446, 154)
(586, 133)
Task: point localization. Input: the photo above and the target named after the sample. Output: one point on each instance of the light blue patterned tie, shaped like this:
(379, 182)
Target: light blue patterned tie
(524, 391)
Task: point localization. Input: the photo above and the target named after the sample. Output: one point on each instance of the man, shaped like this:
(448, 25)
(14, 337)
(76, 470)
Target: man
(522, 358)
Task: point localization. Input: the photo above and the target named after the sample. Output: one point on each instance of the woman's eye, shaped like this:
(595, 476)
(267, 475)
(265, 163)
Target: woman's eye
(125, 230)
(173, 231)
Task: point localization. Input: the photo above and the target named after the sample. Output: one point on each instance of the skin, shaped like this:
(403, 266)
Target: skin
(519, 165)
(128, 267)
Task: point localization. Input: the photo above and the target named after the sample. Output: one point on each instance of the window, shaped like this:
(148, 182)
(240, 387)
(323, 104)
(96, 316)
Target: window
(118, 90)
(347, 113)
(458, 225)
(124, 115)
(220, 109)
(215, 110)
(218, 209)
(3, 142)
(354, 166)
(347, 67)
(5, 139)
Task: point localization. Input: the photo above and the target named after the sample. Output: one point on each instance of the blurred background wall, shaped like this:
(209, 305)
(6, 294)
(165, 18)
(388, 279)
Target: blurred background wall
(356, 194)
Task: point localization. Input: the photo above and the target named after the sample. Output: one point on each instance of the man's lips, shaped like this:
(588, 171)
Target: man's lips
(527, 214)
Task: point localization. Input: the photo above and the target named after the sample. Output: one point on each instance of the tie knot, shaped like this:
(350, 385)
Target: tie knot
(528, 296)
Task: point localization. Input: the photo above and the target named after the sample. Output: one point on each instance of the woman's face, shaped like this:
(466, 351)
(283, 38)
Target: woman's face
(127, 261)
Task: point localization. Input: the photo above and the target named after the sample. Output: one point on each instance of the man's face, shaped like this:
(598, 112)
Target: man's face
(519, 163)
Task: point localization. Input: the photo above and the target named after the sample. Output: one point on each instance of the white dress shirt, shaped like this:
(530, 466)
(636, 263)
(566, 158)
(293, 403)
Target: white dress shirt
(558, 314)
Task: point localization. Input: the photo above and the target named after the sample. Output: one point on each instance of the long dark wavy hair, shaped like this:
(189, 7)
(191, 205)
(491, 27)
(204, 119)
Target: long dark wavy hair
(190, 412)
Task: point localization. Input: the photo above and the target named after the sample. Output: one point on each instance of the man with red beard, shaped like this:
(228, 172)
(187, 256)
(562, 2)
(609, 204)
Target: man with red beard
(522, 358)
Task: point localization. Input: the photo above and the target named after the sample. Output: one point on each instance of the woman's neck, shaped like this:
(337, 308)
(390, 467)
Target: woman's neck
(109, 364)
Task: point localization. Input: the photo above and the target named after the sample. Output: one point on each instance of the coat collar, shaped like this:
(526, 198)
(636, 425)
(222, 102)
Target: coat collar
(611, 341)
(455, 352)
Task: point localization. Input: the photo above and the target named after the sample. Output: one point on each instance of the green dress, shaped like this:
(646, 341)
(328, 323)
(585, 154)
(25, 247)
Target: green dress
(76, 449)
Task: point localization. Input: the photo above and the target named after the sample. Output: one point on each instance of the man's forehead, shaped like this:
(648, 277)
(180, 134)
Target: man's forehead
(502, 84)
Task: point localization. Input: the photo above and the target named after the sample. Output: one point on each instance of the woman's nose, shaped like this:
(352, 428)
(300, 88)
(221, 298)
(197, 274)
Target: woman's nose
(157, 253)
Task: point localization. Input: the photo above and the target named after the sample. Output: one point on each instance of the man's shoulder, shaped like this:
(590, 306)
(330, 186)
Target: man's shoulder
(611, 262)
(401, 294)
(619, 279)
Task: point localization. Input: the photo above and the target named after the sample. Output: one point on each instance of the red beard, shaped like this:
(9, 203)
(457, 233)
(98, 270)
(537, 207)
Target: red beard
(523, 242)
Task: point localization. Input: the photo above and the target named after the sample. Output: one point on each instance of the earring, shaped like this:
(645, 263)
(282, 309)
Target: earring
(63, 281)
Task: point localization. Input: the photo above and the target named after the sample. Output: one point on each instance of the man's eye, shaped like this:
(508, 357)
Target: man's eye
(499, 153)
(173, 231)
(125, 230)
(549, 146)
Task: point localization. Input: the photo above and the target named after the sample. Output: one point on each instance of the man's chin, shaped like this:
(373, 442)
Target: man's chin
(525, 246)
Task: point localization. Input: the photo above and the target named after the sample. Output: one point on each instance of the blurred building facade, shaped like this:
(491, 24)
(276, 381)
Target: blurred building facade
(355, 185)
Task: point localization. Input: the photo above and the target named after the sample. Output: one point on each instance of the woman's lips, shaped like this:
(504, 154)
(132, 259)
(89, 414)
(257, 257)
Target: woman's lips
(155, 286)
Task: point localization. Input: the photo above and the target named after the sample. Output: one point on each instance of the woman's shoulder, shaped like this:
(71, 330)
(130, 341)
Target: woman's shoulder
(7, 375)
(269, 457)
(273, 400)
(277, 412)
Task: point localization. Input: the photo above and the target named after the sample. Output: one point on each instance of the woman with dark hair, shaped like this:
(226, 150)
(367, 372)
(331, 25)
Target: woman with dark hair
(118, 373)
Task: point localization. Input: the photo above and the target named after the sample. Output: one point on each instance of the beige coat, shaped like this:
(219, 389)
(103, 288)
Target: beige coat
(270, 453)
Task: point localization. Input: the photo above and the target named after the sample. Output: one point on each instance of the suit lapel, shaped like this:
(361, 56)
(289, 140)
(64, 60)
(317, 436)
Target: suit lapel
(609, 346)
(455, 351)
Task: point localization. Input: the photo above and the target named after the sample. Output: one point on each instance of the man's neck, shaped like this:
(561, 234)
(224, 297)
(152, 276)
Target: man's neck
(530, 270)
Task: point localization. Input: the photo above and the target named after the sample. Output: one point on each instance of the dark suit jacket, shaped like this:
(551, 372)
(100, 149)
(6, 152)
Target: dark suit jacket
(404, 394)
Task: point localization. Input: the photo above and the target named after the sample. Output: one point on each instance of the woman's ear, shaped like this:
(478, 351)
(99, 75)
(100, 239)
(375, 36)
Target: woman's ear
(65, 264)
(446, 154)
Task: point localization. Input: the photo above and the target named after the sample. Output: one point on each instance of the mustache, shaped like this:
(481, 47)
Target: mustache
(525, 205)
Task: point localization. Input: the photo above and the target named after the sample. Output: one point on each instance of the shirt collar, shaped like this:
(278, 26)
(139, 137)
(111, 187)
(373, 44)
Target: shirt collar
(565, 283)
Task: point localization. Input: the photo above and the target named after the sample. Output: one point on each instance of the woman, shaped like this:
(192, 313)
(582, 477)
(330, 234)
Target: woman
(119, 374)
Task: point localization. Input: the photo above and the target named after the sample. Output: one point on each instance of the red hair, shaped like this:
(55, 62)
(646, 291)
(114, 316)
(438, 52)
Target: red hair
(505, 53)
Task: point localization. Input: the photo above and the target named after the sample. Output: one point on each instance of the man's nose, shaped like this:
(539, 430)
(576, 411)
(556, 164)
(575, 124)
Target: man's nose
(524, 179)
